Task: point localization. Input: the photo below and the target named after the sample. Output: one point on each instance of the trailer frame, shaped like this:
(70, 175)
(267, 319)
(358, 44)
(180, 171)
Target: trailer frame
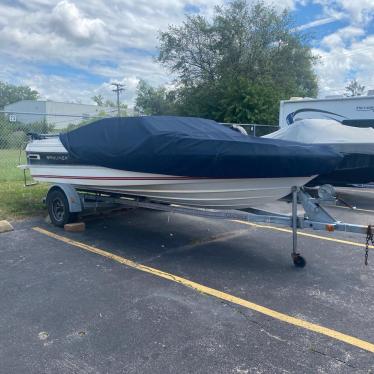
(73, 201)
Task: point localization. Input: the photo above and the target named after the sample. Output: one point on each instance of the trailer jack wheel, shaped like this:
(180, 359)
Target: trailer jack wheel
(299, 261)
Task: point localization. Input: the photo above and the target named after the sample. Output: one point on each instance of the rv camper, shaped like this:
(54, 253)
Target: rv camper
(351, 111)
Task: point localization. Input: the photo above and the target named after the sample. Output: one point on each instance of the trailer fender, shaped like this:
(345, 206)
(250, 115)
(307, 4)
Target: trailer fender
(74, 200)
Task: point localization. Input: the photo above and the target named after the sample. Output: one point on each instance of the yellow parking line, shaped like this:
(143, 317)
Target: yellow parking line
(314, 236)
(218, 294)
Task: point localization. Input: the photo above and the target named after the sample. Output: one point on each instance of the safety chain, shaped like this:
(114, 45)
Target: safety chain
(369, 240)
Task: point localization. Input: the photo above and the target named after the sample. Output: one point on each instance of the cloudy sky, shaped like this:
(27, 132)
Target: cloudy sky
(72, 49)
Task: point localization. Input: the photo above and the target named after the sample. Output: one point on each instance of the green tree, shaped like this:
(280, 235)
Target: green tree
(98, 99)
(245, 102)
(10, 93)
(154, 101)
(354, 88)
(110, 104)
(112, 108)
(243, 47)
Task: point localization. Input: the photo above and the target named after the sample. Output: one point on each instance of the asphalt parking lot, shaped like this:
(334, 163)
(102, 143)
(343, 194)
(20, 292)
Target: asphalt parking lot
(119, 298)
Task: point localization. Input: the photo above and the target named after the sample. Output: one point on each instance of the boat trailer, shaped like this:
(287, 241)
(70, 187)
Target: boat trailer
(65, 202)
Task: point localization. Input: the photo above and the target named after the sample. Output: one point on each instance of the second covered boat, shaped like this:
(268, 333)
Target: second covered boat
(356, 145)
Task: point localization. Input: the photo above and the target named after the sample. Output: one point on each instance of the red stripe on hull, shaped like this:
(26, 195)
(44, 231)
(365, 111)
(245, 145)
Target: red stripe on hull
(116, 178)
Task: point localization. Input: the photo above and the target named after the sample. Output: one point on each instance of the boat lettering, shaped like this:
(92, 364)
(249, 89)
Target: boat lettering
(57, 157)
(365, 108)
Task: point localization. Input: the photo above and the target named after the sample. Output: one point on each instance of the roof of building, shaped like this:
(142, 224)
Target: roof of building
(52, 101)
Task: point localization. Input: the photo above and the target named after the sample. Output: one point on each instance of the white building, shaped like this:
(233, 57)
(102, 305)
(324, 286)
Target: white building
(57, 113)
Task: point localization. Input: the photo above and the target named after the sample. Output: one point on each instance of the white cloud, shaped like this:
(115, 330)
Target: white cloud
(117, 40)
(341, 37)
(341, 62)
(315, 23)
(68, 20)
(358, 12)
(285, 4)
(346, 53)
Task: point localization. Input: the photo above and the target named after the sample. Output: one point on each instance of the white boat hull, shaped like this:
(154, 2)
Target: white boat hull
(198, 192)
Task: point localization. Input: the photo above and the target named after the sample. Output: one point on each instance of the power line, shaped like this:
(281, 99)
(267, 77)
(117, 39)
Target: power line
(119, 88)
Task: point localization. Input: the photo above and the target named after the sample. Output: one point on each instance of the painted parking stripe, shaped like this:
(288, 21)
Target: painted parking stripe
(216, 293)
(314, 236)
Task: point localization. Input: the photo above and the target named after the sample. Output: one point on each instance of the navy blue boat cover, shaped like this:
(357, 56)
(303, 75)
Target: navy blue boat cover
(193, 147)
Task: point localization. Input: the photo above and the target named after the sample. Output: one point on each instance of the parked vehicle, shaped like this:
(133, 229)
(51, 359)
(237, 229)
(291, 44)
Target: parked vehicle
(351, 111)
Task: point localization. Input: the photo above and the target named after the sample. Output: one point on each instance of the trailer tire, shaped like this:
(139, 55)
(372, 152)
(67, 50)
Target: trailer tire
(58, 208)
(299, 261)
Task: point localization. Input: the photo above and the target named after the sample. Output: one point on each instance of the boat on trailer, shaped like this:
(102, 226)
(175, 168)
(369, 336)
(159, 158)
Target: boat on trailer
(181, 165)
(177, 160)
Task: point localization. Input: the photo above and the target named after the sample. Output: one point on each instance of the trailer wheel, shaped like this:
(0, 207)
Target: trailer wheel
(299, 261)
(58, 208)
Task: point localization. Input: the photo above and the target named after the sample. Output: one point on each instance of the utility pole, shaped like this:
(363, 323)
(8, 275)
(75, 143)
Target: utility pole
(119, 88)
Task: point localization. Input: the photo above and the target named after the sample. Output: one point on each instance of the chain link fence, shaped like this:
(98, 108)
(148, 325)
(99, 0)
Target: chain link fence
(14, 127)
(254, 129)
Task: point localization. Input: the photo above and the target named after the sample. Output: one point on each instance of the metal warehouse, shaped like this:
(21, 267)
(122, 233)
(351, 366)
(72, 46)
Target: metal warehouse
(57, 113)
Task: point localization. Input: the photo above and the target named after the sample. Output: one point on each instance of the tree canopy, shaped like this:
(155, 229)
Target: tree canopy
(10, 93)
(110, 104)
(152, 100)
(236, 66)
(98, 99)
(354, 88)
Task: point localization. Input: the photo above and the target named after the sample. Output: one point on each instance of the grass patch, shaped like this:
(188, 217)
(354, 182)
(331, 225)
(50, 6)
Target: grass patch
(9, 159)
(17, 201)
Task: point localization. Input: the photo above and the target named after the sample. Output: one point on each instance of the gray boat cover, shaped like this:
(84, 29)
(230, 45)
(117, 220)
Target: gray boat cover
(193, 147)
(325, 131)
